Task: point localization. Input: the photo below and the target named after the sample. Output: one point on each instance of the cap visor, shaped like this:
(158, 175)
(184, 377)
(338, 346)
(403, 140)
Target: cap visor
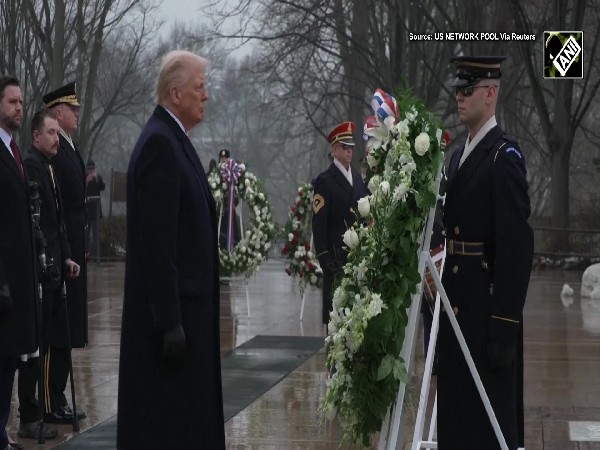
(460, 82)
(347, 142)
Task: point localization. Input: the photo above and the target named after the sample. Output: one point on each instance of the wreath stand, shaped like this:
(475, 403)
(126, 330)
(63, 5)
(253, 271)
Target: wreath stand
(392, 430)
(241, 234)
(304, 291)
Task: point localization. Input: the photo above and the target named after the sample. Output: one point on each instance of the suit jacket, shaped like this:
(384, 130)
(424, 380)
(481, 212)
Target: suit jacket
(486, 201)
(334, 198)
(17, 260)
(57, 246)
(171, 277)
(70, 174)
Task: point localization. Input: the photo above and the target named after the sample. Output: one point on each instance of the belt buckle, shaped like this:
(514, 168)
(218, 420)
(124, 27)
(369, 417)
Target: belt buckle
(450, 249)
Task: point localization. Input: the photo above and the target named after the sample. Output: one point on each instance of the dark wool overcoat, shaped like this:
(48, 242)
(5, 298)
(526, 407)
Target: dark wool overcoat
(57, 247)
(487, 202)
(70, 173)
(171, 277)
(17, 268)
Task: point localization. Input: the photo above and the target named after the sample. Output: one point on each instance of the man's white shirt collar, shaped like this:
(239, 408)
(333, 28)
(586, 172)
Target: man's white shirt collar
(67, 138)
(472, 143)
(347, 173)
(175, 119)
(6, 138)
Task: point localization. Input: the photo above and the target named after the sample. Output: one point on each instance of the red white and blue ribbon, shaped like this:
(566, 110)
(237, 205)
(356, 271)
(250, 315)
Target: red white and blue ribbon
(384, 106)
(386, 115)
(231, 172)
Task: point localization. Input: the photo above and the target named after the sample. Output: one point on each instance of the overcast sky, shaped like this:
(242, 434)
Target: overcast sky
(189, 11)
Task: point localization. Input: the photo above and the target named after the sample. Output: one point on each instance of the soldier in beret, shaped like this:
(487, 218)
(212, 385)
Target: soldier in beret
(336, 194)
(70, 177)
(489, 246)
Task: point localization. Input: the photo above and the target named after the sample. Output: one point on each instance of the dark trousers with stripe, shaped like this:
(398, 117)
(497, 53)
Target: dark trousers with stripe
(56, 373)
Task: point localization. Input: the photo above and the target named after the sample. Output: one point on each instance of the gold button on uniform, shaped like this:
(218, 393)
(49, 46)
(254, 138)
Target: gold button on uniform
(455, 269)
(456, 230)
(455, 309)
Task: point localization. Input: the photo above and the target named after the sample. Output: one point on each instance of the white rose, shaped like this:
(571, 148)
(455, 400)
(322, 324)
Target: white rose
(422, 144)
(384, 187)
(313, 279)
(351, 238)
(261, 196)
(246, 182)
(374, 183)
(363, 206)
(258, 256)
(372, 161)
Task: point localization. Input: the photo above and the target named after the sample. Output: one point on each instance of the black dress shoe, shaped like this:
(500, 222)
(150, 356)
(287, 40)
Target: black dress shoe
(32, 431)
(63, 415)
(15, 446)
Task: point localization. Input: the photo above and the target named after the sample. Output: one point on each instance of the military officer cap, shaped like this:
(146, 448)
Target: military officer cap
(224, 153)
(342, 134)
(470, 69)
(65, 94)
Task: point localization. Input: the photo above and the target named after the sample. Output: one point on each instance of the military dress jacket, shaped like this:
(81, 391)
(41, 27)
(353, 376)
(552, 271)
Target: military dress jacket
(70, 174)
(487, 205)
(57, 248)
(334, 205)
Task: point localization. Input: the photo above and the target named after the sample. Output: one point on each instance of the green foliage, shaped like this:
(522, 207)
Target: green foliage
(369, 317)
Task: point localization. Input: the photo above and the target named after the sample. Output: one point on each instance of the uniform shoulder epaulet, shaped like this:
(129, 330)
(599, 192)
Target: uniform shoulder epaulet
(508, 145)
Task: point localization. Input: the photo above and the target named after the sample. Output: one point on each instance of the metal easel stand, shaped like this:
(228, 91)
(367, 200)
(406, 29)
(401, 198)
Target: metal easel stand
(395, 419)
(229, 278)
(392, 431)
(304, 292)
(418, 444)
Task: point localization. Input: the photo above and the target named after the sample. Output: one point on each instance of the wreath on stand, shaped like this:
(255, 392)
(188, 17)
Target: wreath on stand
(302, 263)
(246, 256)
(367, 325)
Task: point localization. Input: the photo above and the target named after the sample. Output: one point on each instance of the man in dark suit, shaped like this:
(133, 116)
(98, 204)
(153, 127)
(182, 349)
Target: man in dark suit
(170, 371)
(70, 177)
(59, 265)
(489, 251)
(336, 195)
(17, 256)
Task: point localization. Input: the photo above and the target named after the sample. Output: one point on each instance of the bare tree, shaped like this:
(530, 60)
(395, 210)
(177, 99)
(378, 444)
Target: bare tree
(561, 105)
(51, 42)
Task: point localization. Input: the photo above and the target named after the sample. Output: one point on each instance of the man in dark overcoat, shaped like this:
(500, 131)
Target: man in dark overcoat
(336, 195)
(17, 256)
(58, 267)
(70, 175)
(489, 257)
(170, 372)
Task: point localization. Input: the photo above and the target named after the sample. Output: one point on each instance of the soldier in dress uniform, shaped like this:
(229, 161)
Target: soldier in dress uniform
(336, 194)
(70, 176)
(60, 266)
(489, 258)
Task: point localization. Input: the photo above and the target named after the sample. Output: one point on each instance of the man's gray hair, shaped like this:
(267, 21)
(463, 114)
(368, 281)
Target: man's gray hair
(175, 71)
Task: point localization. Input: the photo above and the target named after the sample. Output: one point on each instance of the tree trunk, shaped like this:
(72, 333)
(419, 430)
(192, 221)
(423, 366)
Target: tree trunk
(560, 196)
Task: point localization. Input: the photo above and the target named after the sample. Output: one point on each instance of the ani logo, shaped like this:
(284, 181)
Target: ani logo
(563, 54)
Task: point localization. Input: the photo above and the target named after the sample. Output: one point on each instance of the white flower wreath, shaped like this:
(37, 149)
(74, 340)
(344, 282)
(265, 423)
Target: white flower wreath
(254, 246)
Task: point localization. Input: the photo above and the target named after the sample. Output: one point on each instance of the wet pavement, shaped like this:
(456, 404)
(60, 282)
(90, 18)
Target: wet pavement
(562, 363)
